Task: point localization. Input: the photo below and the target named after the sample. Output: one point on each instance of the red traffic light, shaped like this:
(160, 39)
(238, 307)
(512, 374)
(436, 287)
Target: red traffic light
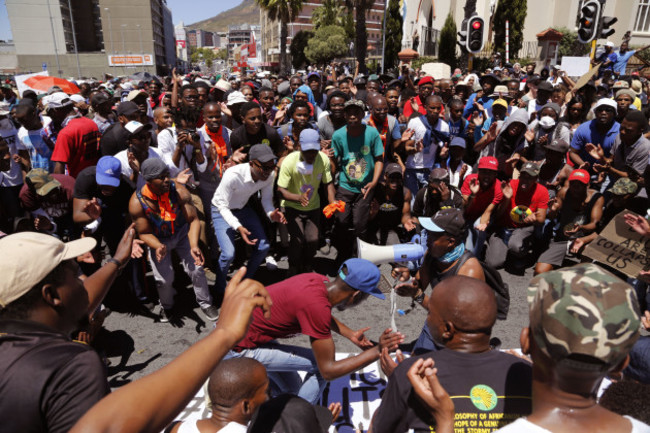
(476, 25)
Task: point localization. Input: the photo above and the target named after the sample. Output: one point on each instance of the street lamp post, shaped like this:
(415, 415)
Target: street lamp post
(140, 33)
(123, 48)
(74, 40)
(110, 29)
(56, 50)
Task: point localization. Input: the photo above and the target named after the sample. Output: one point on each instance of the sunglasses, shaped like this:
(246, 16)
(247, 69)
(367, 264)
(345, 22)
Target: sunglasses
(265, 168)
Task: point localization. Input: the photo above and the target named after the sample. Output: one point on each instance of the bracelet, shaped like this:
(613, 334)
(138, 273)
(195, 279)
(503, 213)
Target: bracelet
(419, 298)
(197, 151)
(116, 262)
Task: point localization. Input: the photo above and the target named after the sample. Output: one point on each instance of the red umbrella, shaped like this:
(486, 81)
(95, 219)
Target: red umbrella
(43, 83)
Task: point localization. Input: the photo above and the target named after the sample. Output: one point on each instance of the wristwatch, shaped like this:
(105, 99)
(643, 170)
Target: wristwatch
(419, 298)
(116, 262)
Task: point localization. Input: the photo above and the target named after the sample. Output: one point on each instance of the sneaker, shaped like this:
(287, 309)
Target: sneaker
(148, 305)
(164, 315)
(211, 312)
(327, 247)
(271, 264)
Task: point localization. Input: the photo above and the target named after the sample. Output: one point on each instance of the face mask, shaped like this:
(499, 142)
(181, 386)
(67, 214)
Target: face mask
(304, 168)
(546, 122)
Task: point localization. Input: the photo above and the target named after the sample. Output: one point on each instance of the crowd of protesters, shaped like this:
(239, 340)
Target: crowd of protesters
(502, 168)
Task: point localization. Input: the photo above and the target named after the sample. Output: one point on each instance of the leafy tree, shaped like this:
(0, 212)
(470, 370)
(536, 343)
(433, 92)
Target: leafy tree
(328, 43)
(202, 54)
(298, 46)
(222, 54)
(447, 52)
(515, 12)
(348, 24)
(360, 7)
(393, 34)
(285, 11)
(570, 45)
(330, 13)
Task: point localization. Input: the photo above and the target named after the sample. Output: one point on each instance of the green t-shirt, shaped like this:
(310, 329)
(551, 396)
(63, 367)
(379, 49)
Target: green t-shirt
(356, 156)
(295, 177)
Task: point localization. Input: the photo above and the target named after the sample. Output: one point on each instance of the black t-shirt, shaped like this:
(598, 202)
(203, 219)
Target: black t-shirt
(390, 209)
(489, 390)
(48, 382)
(86, 188)
(426, 206)
(266, 134)
(114, 140)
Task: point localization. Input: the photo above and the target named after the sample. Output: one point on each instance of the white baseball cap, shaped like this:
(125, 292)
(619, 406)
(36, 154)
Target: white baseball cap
(18, 267)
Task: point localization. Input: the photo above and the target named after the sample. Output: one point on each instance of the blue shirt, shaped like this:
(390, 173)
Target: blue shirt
(621, 61)
(484, 100)
(587, 133)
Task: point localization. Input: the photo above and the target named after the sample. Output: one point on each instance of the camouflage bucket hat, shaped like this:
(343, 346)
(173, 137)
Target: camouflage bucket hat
(583, 311)
(42, 181)
(624, 186)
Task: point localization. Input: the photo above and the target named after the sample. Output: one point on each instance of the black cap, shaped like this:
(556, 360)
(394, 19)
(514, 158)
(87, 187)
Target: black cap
(531, 168)
(450, 221)
(438, 174)
(127, 108)
(153, 168)
(98, 99)
(261, 153)
(392, 168)
(545, 85)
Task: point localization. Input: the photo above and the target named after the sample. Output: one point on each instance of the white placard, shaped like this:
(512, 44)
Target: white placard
(437, 70)
(575, 66)
(20, 82)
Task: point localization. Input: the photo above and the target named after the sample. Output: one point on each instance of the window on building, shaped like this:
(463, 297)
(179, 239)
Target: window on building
(642, 22)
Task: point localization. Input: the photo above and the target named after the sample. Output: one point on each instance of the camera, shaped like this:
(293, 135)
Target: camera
(194, 136)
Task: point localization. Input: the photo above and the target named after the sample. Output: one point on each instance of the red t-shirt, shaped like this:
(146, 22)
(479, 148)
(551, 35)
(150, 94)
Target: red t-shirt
(482, 200)
(77, 145)
(300, 306)
(535, 198)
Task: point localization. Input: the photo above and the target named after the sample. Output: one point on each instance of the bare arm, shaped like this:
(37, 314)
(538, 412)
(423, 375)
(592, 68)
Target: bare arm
(59, 167)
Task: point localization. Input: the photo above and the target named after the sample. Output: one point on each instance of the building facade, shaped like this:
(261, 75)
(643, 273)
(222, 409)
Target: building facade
(111, 36)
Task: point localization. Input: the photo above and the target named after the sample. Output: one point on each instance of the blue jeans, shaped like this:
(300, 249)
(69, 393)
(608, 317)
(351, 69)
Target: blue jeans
(226, 237)
(283, 362)
(416, 178)
(476, 239)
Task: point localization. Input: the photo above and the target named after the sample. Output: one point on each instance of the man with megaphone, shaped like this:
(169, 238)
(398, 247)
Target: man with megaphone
(446, 256)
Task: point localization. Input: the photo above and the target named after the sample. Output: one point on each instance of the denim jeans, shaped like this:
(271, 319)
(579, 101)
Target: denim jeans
(415, 179)
(226, 237)
(283, 362)
(476, 239)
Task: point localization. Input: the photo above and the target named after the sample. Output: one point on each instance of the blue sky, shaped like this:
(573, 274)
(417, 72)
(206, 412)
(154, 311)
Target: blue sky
(199, 10)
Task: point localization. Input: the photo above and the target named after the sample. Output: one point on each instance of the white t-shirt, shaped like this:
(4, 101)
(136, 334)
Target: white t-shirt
(14, 176)
(231, 427)
(167, 143)
(522, 425)
(425, 158)
(127, 171)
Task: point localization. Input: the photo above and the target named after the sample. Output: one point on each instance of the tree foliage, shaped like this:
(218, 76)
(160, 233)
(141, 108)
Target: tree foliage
(330, 13)
(328, 43)
(285, 11)
(202, 54)
(393, 34)
(222, 54)
(360, 8)
(515, 12)
(447, 51)
(570, 45)
(298, 46)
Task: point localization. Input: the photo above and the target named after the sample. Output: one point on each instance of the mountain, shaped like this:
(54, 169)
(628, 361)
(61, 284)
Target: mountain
(248, 12)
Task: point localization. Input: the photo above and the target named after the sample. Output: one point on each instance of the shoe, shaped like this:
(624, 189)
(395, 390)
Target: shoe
(327, 247)
(211, 312)
(148, 305)
(165, 315)
(271, 264)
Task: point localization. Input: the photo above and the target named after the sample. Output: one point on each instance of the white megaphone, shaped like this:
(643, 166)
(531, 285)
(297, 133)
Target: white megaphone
(391, 253)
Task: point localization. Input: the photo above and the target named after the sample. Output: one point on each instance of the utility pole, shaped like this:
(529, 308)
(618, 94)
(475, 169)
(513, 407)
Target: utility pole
(74, 40)
(383, 43)
(56, 50)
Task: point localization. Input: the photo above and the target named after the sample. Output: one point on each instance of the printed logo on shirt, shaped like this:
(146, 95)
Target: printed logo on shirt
(365, 149)
(356, 169)
(266, 141)
(483, 397)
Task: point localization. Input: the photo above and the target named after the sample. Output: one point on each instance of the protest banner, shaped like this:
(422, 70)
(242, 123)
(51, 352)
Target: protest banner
(436, 70)
(20, 82)
(575, 66)
(620, 247)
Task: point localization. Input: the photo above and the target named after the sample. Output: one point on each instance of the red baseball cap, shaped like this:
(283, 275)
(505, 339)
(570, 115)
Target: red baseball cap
(425, 80)
(580, 175)
(489, 163)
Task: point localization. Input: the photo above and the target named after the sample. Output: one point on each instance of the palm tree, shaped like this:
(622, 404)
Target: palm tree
(285, 11)
(361, 38)
(329, 13)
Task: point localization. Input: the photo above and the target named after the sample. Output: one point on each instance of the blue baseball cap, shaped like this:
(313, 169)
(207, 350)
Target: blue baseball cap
(108, 171)
(309, 139)
(363, 276)
(458, 142)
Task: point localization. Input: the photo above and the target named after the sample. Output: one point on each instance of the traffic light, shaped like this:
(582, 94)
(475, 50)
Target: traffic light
(605, 31)
(589, 21)
(462, 35)
(475, 26)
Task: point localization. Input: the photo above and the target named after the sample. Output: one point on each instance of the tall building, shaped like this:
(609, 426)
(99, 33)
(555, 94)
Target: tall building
(241, 35)
(111, 36)
(271, 29)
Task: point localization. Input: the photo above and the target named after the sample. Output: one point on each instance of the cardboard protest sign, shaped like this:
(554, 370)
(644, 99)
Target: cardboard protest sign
(437, 70)
(621, 248)
(575, 66)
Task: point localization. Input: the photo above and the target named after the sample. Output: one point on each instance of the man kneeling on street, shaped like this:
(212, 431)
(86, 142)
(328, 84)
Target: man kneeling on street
(303, 304)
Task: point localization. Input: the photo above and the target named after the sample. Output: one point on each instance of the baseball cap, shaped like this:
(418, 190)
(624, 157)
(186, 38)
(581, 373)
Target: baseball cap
(135, 93)
(290, 414)
(558, 145)
(309, 139)
(98, 99)
(531, 168)
(609, 44)
(359, 81)
(362, 275)
(448, 220)
(392, 168)
(312, 76)
(458, 142)
(127, 108)
(438, 174)
(77, 98)
(583, 311)
(153, 168)
(20, 272)
(134, 127)
(42, 181)
(489, 163)
(579, 175)
(545, 85)
(262, 153)
(624, 186)
(501, 102)
(108, 171)
(605, 102)
(356, 103)
(58, 100)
